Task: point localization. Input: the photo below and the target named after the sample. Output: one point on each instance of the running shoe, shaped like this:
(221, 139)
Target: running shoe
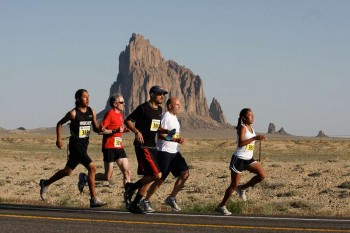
(43, 188)
(241, 193)
(128, 194)
(82, 182)
(146, 206)
(96, 202)
(171, 201)
(223, 210)
(136, 209)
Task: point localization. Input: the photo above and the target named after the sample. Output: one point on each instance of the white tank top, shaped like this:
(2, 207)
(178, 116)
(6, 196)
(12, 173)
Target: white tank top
(246, 152)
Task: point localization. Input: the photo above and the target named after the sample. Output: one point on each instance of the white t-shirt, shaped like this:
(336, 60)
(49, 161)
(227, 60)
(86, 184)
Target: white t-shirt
(169, 121)
(246, 152)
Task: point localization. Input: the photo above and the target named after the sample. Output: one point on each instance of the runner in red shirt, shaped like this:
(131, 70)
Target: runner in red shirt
(112, 127)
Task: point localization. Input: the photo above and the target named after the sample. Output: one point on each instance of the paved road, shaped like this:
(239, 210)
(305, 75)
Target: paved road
(19, 218)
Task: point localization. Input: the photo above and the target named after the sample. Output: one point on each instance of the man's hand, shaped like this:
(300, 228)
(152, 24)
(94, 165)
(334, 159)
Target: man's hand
(139, 137)
(59, 143)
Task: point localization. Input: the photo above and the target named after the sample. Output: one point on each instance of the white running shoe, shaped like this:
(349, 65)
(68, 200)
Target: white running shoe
(241, 193)
(223, 210)
(96, 202)
(170, 201)
(82, 182)
(146, 206)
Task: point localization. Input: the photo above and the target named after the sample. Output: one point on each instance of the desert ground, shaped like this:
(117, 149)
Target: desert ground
(306, 176)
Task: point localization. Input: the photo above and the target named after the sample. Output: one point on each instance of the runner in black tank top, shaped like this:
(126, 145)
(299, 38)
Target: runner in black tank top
(83, 120)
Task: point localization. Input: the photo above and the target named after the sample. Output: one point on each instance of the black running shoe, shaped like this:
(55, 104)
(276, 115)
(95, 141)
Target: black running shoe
(136, 209)
(128, 194)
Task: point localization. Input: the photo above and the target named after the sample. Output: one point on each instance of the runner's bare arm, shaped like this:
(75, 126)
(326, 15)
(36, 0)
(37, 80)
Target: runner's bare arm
(130, 125)
(69, 116)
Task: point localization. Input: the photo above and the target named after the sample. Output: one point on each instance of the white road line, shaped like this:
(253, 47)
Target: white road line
(176, 214)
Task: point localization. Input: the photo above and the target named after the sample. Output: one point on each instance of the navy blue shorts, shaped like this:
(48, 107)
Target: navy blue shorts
(239, 165)
(171, 162)
(111, 155)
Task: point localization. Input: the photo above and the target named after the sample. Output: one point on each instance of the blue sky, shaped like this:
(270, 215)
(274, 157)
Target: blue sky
(287, 60)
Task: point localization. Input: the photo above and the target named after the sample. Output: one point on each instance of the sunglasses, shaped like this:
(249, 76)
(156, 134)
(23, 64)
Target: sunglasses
(121, 102)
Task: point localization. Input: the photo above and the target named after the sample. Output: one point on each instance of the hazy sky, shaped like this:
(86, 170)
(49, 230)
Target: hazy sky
(286, 59)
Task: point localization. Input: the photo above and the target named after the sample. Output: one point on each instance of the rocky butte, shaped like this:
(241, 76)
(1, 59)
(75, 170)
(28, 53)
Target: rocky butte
(141, 66)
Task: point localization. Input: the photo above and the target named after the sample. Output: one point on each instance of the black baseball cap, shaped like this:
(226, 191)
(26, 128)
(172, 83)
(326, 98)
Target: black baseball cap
(157, 90)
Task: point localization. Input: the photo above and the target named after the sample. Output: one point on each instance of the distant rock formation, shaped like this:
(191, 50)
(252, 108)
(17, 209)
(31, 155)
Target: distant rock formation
(216, 112)
(282, 132)
(271, 129)
(321, 134)
(141, 66)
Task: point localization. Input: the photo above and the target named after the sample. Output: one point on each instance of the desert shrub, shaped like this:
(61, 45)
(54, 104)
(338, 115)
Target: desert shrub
(327, 191)
(235, 207)
(201, 208)
(269, 185)
(66, 201)
(275, 165)
(271, 208)
(315, 174)
(223, 176)
(344, 194)
(299, 204)
(287, 194)
(345, 185)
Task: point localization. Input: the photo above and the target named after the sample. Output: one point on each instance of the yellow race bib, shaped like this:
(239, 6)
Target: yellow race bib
(155, 125)
(84, 131)
(250, 147)
(118, 142)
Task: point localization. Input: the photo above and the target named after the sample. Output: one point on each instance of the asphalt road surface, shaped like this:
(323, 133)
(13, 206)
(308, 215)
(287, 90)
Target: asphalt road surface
(22, 218)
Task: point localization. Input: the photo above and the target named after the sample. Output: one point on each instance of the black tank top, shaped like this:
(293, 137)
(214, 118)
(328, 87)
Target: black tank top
(80, 129)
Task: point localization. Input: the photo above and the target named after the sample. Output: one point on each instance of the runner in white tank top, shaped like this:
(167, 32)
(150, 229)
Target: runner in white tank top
(242, 159)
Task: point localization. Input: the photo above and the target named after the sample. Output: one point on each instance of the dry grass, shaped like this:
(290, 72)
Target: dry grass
(306, 176)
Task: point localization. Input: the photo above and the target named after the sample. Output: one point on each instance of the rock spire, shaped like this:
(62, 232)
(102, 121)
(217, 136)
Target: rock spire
(141, 66)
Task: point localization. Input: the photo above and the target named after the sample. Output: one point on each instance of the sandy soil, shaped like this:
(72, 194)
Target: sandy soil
(306, 176)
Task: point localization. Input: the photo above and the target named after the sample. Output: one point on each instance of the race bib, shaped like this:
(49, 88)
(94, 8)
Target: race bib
(84, 131)
(250, 147)
(155, 125)
(118, 142)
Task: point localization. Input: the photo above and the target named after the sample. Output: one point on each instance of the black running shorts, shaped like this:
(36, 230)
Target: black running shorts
(239, 165)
